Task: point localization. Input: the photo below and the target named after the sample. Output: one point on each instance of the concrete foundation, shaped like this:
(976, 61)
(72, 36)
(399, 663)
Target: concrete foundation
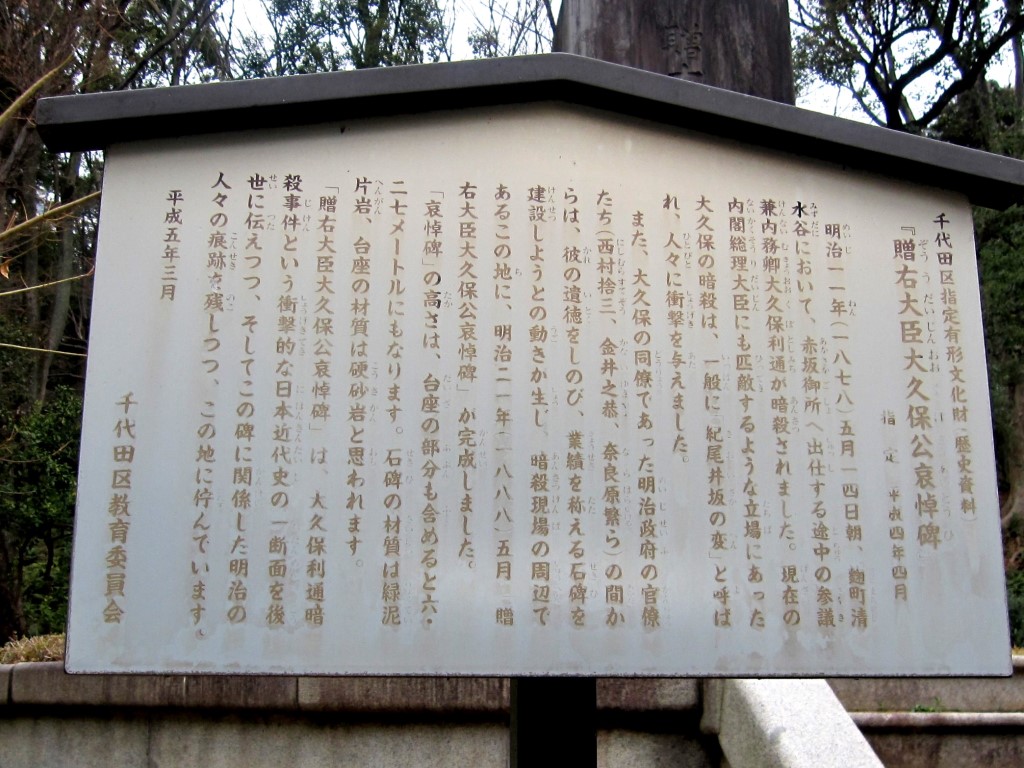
(49, 718)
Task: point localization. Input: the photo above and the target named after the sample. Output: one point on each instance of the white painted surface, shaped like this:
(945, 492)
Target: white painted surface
(840, 331)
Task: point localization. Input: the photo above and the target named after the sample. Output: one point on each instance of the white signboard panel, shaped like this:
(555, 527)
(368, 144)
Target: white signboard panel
(531, 390)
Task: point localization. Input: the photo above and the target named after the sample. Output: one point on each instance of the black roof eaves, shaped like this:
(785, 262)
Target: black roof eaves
(70, 123)
(94, 121)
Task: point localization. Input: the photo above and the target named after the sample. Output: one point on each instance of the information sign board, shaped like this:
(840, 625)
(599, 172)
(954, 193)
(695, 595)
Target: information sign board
(531, 390)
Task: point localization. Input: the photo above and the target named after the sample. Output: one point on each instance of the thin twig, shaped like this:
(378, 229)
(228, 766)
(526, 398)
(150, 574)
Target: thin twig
(46, 351)
(25, 97)
(52, 213)
(47, 285)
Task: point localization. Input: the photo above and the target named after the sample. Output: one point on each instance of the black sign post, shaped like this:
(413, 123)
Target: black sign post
(547, 711)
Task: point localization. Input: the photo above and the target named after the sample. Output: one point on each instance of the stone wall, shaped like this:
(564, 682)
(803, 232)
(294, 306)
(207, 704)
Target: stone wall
(49, 718)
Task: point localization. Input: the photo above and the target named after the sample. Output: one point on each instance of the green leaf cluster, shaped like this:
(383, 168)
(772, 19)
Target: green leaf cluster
(1015, 604)
(310, 36)
(38, 466)
(989, 118)
(904, 61)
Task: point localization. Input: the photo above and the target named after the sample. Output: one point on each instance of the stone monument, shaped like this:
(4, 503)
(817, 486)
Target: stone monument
(741, 45)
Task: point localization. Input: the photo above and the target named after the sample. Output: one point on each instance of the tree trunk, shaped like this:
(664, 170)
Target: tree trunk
(28, 254)
(1018, 71)
(1013, 9)
(12, 618)
(65, 269)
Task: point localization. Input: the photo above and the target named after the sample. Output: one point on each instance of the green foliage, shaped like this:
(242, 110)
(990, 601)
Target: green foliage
(988, 118)
(934, 706)
(1015, 603)
(1000, 237)
(15, 371)
(37, 499)
(157, 42)
(97, 46)
(54, 47)
(326, 35)
(898, 57)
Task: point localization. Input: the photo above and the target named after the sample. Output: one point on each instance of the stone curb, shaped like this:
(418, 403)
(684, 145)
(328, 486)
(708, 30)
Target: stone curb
(791, 723)
(5, 684)
(47, 684)
(937, 720)
(403, 694)
(957, 694)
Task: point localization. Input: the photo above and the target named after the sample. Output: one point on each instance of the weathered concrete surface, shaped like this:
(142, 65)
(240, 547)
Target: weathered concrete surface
(962, 694)
(47, 684)
(49, 718)
(265, 742)
(783, 724)
(249, 692)
(937, 721)
(404, 694)
(948, 746)
(940, 722)
(677, 694)
(5, 683)
(47, 742)
(629, 749)
(232, 742)
(269, 742)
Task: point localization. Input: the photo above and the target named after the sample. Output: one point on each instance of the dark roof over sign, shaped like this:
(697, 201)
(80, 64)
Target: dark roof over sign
(95, 121)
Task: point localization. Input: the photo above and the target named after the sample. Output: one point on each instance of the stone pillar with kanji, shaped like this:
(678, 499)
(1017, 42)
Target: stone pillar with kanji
(740, 45)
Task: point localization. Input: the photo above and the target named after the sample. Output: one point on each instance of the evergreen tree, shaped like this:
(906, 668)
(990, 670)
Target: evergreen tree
(326, 35)
(55, 47)
(988, 118)
(894, 54)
